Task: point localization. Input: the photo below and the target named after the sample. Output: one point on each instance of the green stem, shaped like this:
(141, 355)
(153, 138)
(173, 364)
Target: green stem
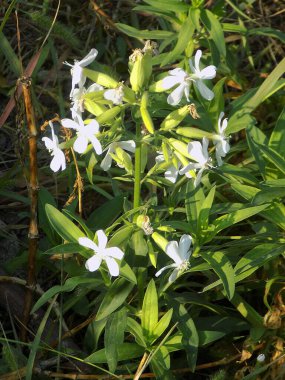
(137, 187)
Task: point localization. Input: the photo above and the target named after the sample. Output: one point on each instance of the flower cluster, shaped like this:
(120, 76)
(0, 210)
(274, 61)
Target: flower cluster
(191, 160)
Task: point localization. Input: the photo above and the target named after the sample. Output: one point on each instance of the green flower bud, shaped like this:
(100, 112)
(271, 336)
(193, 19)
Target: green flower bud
(147, 120)
(160, 240)
(193, 133)
(100, 78)
(174, 118)
(109, 115)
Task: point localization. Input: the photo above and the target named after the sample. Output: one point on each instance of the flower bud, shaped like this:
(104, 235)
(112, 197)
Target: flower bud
(109, 115)
(147, 120)
(160, 240)
(101, 78)
(194, 133)
(174, 118)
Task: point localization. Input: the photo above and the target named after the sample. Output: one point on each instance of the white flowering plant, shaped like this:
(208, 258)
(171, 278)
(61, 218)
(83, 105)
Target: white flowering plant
(165, 210)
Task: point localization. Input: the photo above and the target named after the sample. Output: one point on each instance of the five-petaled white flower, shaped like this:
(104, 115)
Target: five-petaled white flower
(198, 76)
(77, 69)
(183, 79)
(101, 253)
(77, 98)
(58, 160)
(129, 145)
(180, 254)
(220, 140)
(115, 95)
(85, 133)
(199, 152)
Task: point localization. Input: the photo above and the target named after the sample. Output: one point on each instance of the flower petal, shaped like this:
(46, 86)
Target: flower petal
(93, 263)
(114, 252)
(173, 275)
(86, 242)
(170, 81)
(96, 144)
(58, 161)
(92, 128)
(186, 168)
(184, 246)
(80, 144)
(171, 174)
(106, 162)
(195, 150)
(172, 251)
(204, 90)
(102, 239)
(176, 95)
(94, 88)
(49, 143)
(208, 72)
(129, 145)
(113, 266)
(68, 123)
(89, 58)
(164, 268)
(199, 177)
(197, 58)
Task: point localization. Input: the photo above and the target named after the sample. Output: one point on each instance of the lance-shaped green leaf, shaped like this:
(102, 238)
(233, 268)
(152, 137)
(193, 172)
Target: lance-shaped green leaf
(215, 30)
(203, 219)
(162, 325)
(223, 268)
(114, 337)
(228, 220)
(149, 316)
(190, 337)
(114, 298)
(127, 351)
(63, 225)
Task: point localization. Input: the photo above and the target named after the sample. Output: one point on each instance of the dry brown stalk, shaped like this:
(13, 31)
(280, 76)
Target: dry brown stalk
(33, 194)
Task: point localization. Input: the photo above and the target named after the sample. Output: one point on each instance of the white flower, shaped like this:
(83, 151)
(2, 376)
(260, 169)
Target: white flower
(177, 76)
(129, 145)
(200, 154)
(220, 140)
(58, 160)
(180, 254)
(115, 95)
(101, 253)
(172, 171)
(260, 358)
(77, 69)
(85, 133)
(181, 77)
(77, 98)
(198, 76)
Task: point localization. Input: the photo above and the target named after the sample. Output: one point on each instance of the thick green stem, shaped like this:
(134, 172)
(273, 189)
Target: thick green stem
(137, 187)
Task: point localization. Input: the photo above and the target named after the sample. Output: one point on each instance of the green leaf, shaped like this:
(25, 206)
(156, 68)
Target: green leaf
(44, 197)
(277, 138)
(194, 199)
(275, 158)
(114, 298)
(127, 351)
(162, 325)
(215, 30)
(228, 220)
(9, 54)
(190, 337)
(223, 268)
(136, 330)
(143, 34)
(184, 36)
(63, 225)
(268, 32)
(160, 364)
(69, 285)
(170, 5)
(67, 248)
(114, 337)
(104, 216)
(127, 272)
(203, 219)
(149, 315)
(80, 221)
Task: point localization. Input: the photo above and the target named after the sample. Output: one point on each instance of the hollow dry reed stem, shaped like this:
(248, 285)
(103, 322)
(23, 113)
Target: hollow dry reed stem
(33, 195)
